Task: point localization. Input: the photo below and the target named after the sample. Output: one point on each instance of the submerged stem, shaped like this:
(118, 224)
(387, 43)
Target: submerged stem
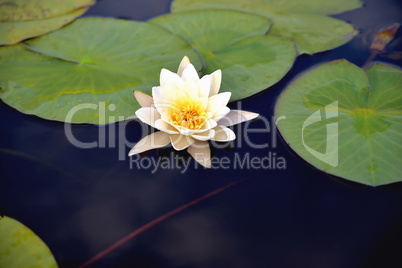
(156, 221)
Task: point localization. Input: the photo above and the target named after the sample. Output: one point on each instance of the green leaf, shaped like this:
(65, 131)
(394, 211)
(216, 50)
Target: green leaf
(21, 19)
(346, 121)
(20, 247)
(93, 65)
(14, 32)
(235, 42)
(304, 21)
(23, 10)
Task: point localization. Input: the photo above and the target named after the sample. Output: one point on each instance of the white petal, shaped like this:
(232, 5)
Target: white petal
(143, 99)
(179, 129)
(180, 142)
(165, 107)
(183, 64)
(165, 127)
(162, 107)
(215, 82)
(209, 124)
(163, 99)
(191, 88)
(204, 85)
(169, 78)
(217, 102)
(236, 116)
(223, 133)
(157, 93)
(201, 153)
(184, 130)
(169, 93)
(204, 136)
(148, 115)
(155, 140)
(222, 113)
(189, 73)
(204, 101)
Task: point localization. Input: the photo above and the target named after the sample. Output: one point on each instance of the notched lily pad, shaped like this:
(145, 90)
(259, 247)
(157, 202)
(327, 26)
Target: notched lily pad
(346, 121)
(235, 42)
(307, 22)
(20, 247)
(89, 65)
(21, 19)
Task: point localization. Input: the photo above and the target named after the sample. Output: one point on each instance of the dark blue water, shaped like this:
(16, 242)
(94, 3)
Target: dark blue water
(80, 201)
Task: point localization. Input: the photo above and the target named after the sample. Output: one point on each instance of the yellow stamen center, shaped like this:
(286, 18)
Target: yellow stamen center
(188, 113)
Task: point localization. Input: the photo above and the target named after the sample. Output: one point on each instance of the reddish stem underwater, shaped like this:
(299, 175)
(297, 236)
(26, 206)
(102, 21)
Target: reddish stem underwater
(155, 222)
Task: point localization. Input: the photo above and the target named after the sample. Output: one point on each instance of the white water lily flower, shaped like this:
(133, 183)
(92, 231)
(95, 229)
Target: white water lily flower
(188, 111)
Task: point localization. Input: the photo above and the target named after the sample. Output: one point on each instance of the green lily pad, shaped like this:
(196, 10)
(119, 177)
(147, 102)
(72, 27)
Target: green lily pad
(307, 21)
(346, 121)
(14, 32)
(235, 42)
(20, 247)
(91, 66)
(23, 10)
(21, 19)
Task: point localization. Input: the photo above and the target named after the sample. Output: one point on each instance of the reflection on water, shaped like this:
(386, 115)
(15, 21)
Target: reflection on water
(81, 201)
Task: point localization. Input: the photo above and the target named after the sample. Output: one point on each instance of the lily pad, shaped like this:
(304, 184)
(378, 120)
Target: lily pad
(20, 247)
(21, 19)
(346, 121)
(91, 66)
(14, 32)
(23, 10)
(307, 21)
(235, 42)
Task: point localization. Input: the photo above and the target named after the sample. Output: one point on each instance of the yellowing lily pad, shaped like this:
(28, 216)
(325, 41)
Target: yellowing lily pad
(235, 42)
(20, 247)
(14, 32)
(91, 67)
(23, 10)
(346, 121)
(21, 19)
(305, 21)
